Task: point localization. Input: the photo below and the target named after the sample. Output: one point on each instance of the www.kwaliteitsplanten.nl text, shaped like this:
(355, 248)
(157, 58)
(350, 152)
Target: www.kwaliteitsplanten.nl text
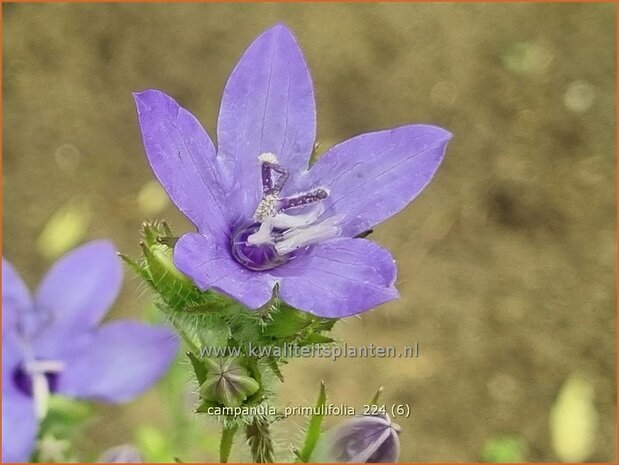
(334, 352)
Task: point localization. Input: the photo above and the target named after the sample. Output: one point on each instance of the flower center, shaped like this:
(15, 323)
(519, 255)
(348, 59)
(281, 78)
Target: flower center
(255, 257)
(282, 225)
(38, 379)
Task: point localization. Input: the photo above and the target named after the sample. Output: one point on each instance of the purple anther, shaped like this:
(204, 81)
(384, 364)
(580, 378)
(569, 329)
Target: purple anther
(267, 179)
(281, 181)
(268, 186)
(303, 199)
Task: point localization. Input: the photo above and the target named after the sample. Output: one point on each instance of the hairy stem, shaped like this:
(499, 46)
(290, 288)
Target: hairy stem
(225, 446)
(259, 440)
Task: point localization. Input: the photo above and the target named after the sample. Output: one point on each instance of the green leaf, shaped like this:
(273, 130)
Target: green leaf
(324, 324)
(151, 231)
(214, 334)
(313, 429)
(198, 367)
(272, 362)
(574, 420)
(316, 339)
(286, 322)
(254, 369)
(376, 397)
(136, 268)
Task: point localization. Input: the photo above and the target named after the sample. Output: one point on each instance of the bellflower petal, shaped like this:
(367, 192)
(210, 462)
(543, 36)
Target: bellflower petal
(373, 176)
(339, 278)
(183, 158)
(19, 423)
(267, 106)
(209, 264)
(16, 299)
(80, 288)
(12, 356)
(124, 360)
(52, 342)
(19, 426)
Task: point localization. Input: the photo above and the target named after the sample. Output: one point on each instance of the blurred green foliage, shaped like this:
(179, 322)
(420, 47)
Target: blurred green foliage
(65, 229)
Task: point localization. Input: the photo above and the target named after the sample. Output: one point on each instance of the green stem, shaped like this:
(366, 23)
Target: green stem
(259, 440)
(225, 446)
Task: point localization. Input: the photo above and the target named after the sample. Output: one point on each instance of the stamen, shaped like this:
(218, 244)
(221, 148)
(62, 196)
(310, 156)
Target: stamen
(266, 208)
(41, 389)
(285, 221)
(267, 180)
(304, 199)
(40, 393)
(274, 237)
(271, 165)
(268, 157)
(281, 181)
(294, 239)
(262, 236)
(44, 366)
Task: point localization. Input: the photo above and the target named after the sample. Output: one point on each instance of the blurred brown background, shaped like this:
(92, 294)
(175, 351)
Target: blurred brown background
(506, 262)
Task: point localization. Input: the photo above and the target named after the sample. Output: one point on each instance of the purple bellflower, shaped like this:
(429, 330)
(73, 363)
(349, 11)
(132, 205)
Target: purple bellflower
(263, 217)
(52, 343)
(363, 439)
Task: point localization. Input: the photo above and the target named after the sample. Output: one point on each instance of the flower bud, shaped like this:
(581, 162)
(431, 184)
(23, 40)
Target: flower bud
(227, 382)
(158, 248)
(363, 439)
(157, 267)
(121, 454)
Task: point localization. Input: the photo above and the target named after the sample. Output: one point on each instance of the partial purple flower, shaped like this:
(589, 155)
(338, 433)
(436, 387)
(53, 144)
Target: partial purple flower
(363, 439)
(125, 453)
(264, 218)
(54, 343)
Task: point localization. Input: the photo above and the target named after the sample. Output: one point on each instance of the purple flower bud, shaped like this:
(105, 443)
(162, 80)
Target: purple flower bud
(363, 439)
(121, 454)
